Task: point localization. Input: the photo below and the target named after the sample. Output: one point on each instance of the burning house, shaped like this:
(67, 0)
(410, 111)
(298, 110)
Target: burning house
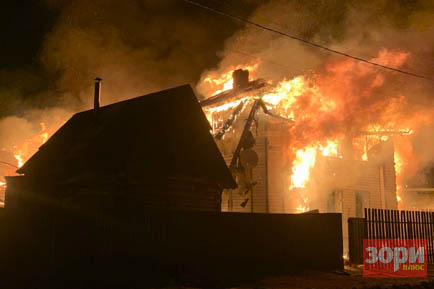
(253, 138)
(244, 135)
(115, 156)
(343, 176)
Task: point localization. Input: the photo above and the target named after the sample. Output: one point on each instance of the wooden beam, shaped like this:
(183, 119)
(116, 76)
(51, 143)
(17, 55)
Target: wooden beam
(230, 120)
(233, 93)
(244, 134)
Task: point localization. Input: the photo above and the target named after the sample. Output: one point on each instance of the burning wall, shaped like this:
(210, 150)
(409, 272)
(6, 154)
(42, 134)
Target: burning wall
(263, 184)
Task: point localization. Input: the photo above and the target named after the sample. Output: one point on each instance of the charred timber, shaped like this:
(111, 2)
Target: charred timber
(245, 134)
(230, 120)
(236, 112)
(233, 93)
(266, 111)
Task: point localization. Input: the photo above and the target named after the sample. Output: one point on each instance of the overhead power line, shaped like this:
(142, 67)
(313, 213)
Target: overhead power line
(306, 41)
(9, 164)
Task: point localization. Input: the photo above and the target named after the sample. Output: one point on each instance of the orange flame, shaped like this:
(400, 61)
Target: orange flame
(215, 83)
(338, 101)
(23, 151)
(398, 173)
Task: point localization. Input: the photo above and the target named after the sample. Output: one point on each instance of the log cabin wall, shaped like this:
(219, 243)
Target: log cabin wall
(178, 195)
(175, 195)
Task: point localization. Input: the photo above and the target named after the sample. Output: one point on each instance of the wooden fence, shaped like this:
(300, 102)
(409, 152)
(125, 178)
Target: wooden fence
(160, 246)
(390, 224)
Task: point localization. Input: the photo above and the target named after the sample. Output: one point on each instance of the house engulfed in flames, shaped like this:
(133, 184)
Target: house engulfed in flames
(252, 131)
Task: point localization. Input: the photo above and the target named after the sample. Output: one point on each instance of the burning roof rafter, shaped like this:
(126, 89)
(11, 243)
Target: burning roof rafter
(233, 93)
(237, 98)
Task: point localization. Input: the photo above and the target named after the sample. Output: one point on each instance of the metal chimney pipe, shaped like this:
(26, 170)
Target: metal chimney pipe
(97, 94)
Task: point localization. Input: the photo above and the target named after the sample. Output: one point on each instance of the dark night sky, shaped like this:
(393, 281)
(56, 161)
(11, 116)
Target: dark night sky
(54, 47)
(23, 26)
(25, 23)
(28, 63)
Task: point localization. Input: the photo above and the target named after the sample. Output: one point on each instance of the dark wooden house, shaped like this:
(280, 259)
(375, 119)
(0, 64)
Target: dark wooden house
(154, 151)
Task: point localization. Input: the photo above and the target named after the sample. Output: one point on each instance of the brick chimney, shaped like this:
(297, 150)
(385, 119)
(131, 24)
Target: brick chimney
(241, 78)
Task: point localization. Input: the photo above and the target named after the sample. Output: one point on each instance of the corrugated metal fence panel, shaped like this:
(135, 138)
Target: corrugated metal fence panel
(394, 224)
(356, 234)
(64, 245)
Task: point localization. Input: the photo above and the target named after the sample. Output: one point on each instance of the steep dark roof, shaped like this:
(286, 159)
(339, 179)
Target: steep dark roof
(161, 134)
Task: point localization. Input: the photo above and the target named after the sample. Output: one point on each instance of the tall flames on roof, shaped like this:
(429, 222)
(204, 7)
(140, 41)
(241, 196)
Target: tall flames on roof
(341, 99)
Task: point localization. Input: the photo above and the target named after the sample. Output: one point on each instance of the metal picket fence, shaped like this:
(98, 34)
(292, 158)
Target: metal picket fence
(394, 224)
(390, 224)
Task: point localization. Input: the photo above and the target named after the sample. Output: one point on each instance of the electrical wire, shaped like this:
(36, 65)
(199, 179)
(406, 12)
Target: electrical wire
(307, 42)
(9, 164)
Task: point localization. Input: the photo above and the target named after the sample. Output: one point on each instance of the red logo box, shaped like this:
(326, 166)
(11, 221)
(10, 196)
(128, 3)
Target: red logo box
(394, 258)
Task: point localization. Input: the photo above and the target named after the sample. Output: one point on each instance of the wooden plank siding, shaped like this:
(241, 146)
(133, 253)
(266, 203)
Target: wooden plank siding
(271, 187)
(278, 169)
(232, 199)
(351, 178)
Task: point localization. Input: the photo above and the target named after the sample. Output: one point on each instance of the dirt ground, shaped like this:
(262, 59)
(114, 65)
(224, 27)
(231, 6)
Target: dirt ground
(320, 280)
(350, 278)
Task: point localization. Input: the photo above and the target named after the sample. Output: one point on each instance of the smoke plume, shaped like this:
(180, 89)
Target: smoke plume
(137, 47)
(365, 94)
